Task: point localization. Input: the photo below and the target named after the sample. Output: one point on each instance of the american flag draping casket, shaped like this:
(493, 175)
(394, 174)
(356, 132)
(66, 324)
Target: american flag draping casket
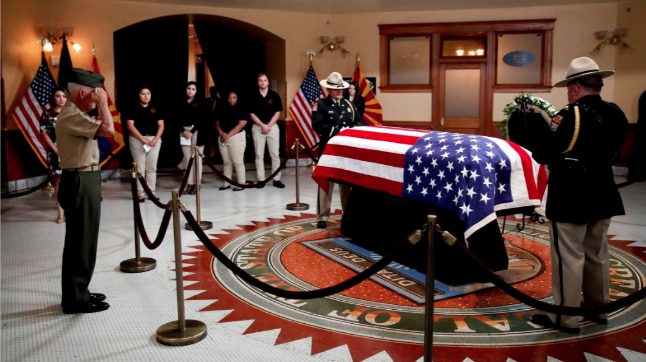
(473, 176)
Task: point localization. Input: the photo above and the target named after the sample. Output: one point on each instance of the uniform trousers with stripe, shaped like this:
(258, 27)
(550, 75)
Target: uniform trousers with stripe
(325, 200)
(580, 267)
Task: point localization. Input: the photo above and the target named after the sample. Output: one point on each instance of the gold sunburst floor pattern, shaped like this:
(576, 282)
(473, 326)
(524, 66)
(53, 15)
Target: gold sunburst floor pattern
(383, 318)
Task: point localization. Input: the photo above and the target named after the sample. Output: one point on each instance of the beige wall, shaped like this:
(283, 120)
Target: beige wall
(95, 22)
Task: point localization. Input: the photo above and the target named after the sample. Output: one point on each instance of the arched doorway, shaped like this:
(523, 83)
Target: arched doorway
(155, 52)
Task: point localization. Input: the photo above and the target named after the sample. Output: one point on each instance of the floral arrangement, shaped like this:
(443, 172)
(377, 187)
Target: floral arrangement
(530, 103)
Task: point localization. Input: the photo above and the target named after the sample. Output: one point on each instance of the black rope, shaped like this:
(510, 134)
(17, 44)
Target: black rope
(187, 174)
(291, 294)
(10, 195)
(148, 192)
(547, 307)
(139, 224)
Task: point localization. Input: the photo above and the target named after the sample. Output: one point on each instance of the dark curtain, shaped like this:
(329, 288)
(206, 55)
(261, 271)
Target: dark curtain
(637, 164)
(233, 58)
(153, 53)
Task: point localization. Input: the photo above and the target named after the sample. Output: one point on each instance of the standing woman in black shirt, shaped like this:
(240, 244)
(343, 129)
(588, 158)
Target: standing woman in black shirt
(230, 124)
(197, 130)
(146, 126)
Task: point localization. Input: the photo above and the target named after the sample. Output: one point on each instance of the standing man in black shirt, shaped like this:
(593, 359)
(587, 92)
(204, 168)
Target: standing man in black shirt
(265, 110)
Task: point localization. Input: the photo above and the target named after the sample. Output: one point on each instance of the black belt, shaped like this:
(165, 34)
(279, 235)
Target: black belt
(89, 168)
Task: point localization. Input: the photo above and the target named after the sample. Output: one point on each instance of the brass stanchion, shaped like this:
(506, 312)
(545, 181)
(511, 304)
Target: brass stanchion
(431, 221)
(181, 332)
(204, 225)
(138, 264)
(297, 205)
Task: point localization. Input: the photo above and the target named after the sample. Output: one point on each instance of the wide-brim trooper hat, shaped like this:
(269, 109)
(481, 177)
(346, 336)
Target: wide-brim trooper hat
(334, 81)
(580, 68)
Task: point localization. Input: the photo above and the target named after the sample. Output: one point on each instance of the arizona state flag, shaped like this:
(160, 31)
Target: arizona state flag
(109, 147)
(373, 115)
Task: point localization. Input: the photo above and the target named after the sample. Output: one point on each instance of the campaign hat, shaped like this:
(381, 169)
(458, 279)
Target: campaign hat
(580, 68)
(334, 81)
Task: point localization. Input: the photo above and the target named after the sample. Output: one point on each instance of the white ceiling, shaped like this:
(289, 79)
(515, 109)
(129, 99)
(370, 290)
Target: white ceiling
(367, 6)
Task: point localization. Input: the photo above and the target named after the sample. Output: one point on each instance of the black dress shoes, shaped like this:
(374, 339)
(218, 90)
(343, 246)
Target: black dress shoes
(89, 307)
(545, 321)
(97, 297)
(224, 188)
(321, 224)
(279, 184)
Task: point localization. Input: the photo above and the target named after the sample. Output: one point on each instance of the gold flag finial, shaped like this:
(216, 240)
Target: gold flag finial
(310, 54)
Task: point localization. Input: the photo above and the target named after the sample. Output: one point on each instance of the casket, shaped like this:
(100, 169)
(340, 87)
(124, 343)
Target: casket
(399, 176)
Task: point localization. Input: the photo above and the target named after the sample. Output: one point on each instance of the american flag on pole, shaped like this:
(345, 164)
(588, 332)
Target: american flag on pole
(109, 146)
(301, 108)
(474, 176)
(28, 111)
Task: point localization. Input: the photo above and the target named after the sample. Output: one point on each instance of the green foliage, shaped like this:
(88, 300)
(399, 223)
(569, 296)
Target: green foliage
(530, 102)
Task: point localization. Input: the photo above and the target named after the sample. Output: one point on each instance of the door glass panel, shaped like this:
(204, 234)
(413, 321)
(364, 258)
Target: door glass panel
(462, 93)
(410, 60)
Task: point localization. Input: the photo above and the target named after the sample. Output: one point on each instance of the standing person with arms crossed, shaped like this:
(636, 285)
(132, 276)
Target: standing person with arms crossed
(146, 126)
(582, 195)
(48, 131)
(80, 187)
(266, 106)
(332, 114)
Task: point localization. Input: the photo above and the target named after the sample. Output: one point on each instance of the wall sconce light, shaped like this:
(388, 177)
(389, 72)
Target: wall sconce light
(332, 45)
(609, 37)
(48, 40)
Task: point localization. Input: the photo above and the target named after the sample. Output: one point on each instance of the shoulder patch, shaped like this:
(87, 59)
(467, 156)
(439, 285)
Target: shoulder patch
(556, 122)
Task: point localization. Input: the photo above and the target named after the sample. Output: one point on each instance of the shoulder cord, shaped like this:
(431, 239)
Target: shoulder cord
(351, 108)
(577, 127)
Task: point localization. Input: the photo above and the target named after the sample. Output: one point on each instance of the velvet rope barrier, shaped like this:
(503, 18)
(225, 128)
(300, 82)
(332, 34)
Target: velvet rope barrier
(284, 293)
(187, 174)
(219, 173)
(10, 195)
(140, 224)
(535, 303)
(247, 185)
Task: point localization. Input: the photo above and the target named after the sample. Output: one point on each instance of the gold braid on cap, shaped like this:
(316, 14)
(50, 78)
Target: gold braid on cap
(577, 127)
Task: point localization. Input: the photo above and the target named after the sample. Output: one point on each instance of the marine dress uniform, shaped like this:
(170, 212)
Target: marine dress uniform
(80, 196)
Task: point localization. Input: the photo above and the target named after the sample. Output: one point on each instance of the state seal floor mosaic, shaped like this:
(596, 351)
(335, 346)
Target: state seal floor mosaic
(381, 319)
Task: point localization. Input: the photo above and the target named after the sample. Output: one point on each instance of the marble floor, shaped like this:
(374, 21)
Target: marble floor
(35, 329)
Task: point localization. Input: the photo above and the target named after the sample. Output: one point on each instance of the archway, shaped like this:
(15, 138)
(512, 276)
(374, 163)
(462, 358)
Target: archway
(155, 52)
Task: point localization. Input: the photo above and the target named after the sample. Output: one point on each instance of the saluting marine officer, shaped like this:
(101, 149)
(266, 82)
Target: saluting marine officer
(582, 195)
(80, 189)
(332, 114)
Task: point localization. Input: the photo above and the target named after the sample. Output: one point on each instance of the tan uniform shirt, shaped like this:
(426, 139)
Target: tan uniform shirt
(75, 138)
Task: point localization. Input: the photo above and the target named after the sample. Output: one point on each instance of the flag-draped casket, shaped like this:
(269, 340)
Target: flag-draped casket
(400, 175)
